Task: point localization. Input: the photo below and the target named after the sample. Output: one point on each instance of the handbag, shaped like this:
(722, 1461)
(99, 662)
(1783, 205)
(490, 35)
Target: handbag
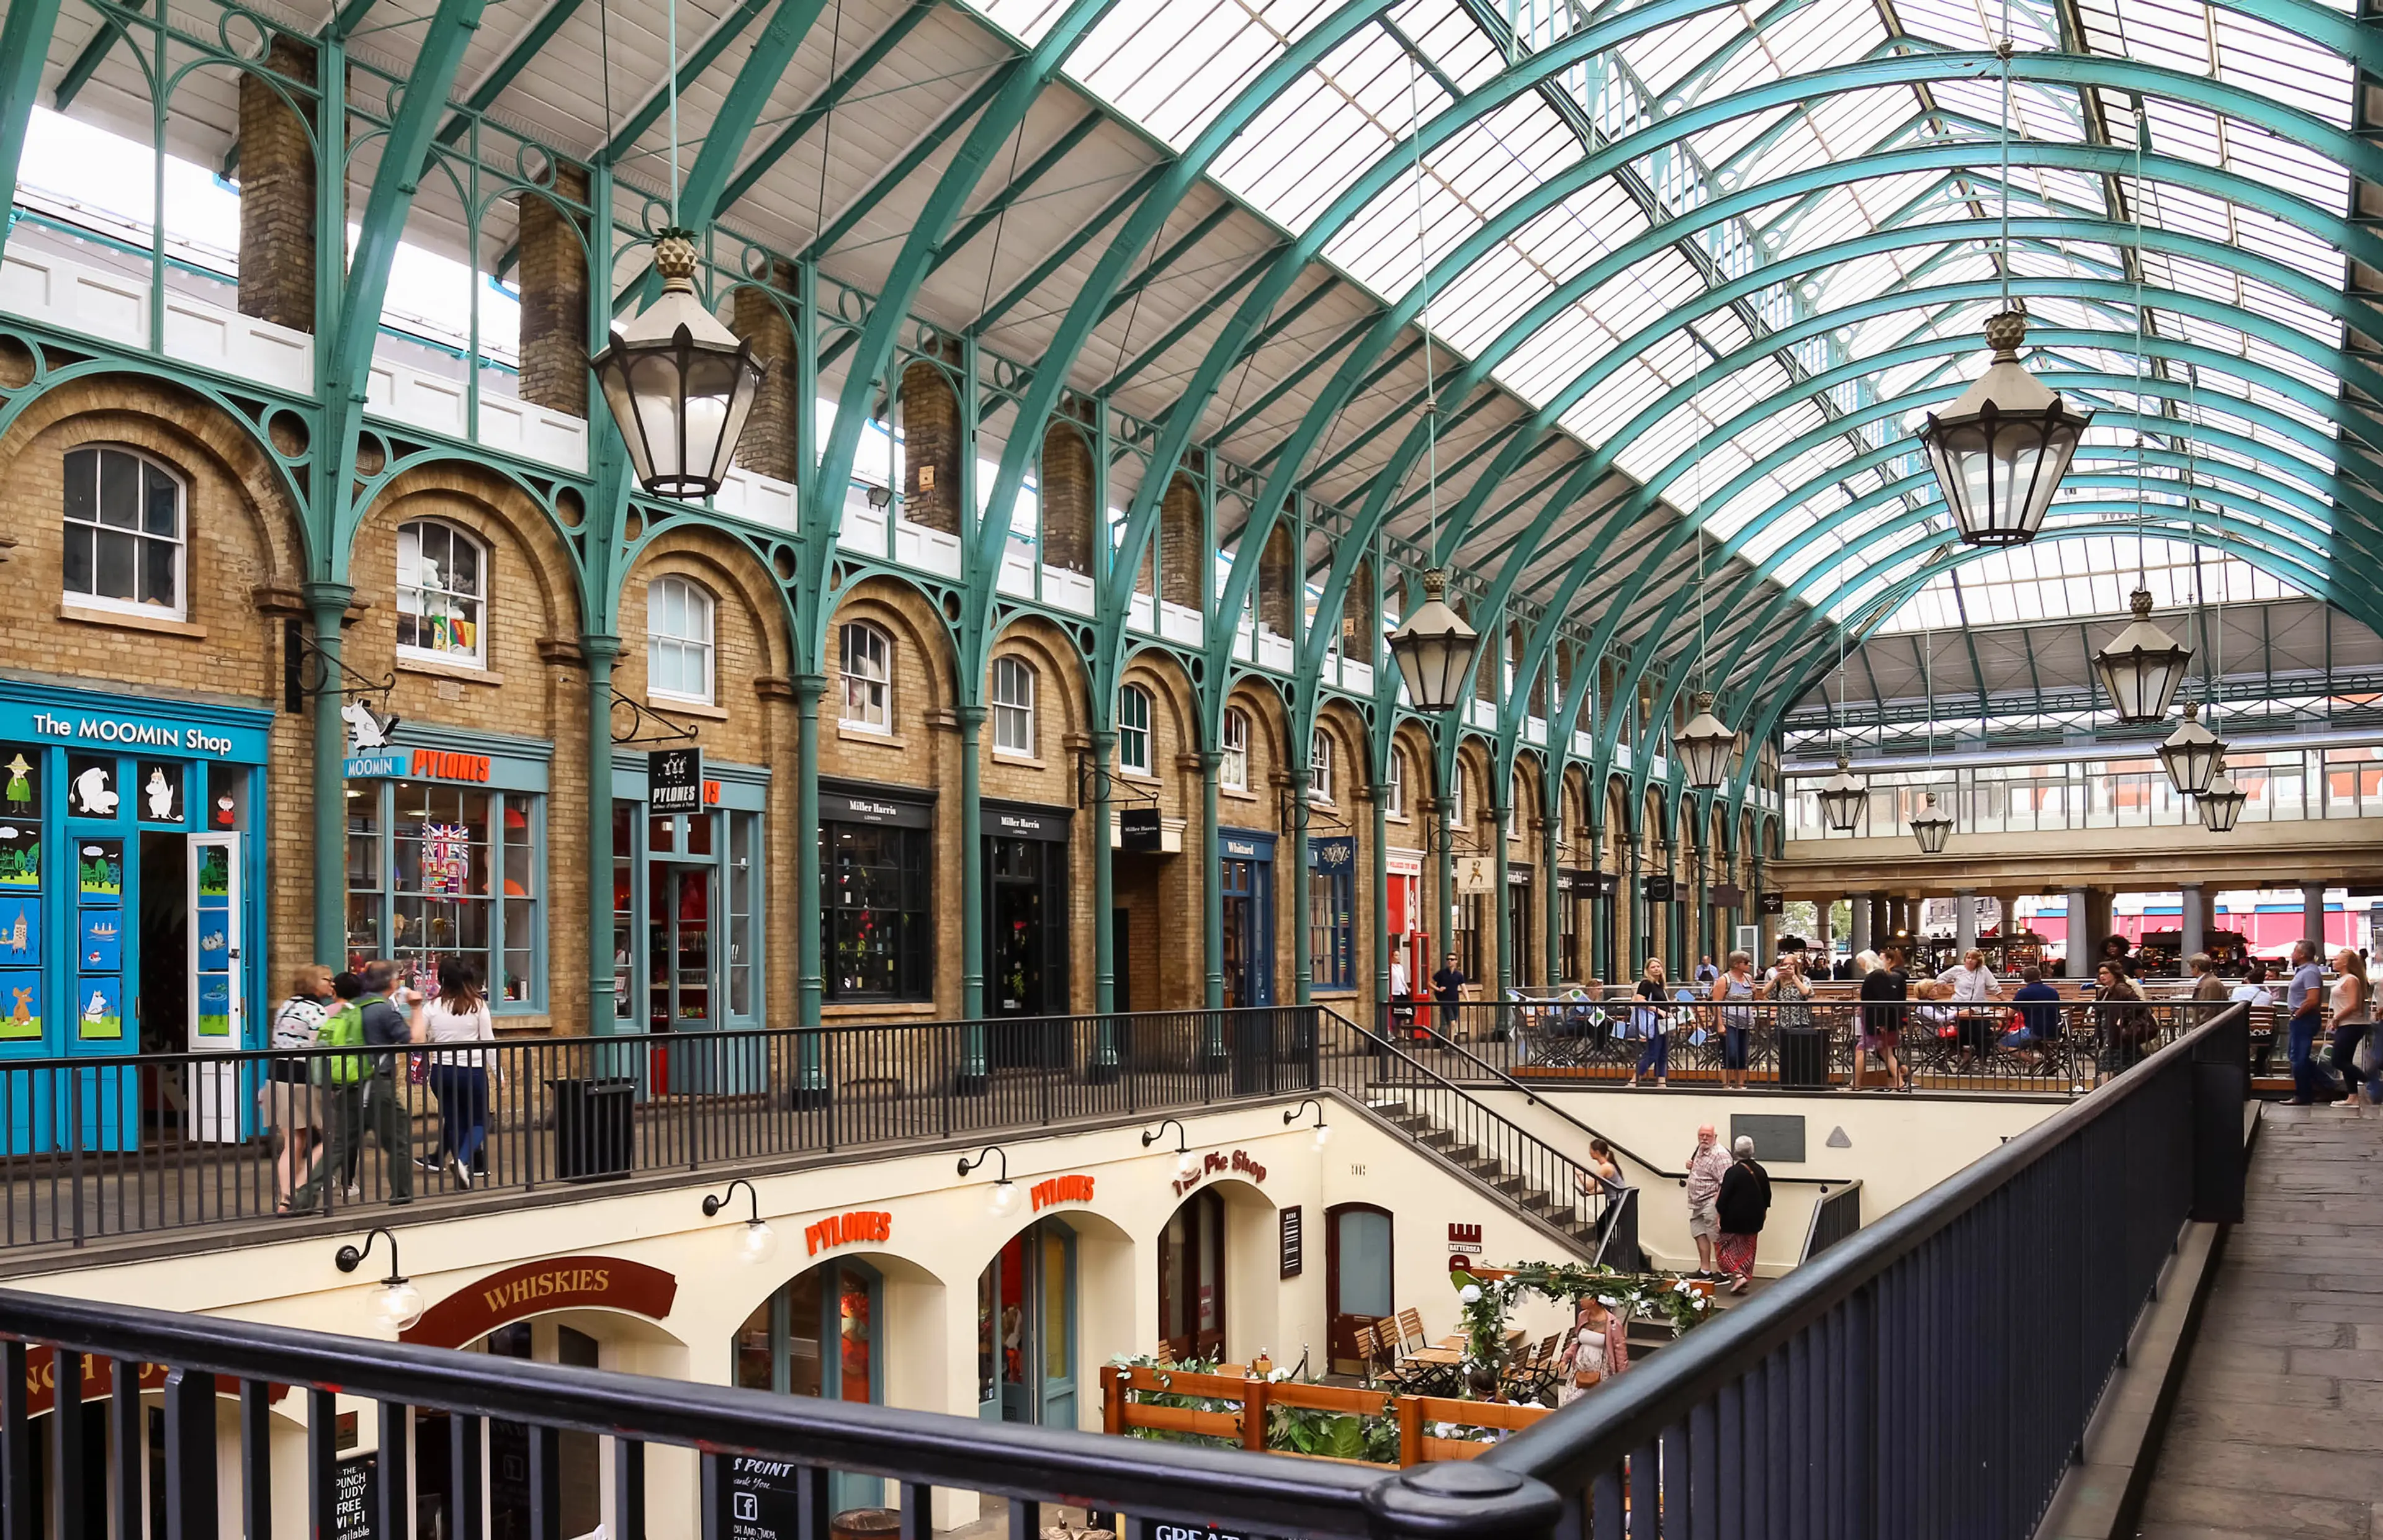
(2368, 1060)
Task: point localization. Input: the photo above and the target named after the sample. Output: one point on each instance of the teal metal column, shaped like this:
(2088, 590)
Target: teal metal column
(1632, 901)
(329, 603)
(1551, 971)
(972, 1066)
(1104, 1065)
(1444, 868)
(810, 1075)
(1381, 906)
(1212, 907)
(1303, 938)
(603, 1012)
(24, 48)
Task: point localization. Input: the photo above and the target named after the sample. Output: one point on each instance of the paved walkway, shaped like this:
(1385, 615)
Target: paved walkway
(2278, 1427)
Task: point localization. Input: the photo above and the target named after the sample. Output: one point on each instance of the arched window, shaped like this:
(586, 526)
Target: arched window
(678, 639)
(125, 544)
(868, 678)
(442, 594)
(1133, 730)
(1013, 705)
(1234, 773)
(1319, 767)
(1394, 784)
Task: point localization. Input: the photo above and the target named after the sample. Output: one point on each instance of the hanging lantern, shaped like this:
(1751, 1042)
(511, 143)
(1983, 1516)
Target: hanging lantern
(679, 383)
(2221, 803)
(2142, 666)
(1842, 796)
(2000, 453)
(1931, 827)
(1434, 646)
(1704, 746)
(2191, 753)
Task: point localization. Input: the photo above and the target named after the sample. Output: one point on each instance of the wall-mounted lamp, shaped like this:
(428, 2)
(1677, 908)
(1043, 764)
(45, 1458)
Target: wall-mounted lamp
(1005, 1192)
(760, 1241)
(397, 1304)
(880, 496)
(1323, 1129)
(1185, 1162)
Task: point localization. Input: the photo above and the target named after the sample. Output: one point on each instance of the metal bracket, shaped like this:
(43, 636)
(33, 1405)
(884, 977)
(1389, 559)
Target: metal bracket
(1299, 813)
(296, 648)
(1092, 776)
(639, 717)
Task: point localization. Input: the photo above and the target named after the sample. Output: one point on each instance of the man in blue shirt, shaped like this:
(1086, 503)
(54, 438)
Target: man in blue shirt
(2304, 998)
(2038, 1008)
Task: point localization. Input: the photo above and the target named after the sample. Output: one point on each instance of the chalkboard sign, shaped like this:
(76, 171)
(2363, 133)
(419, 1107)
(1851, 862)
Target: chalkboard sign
(355, 1498)
(1294, 1242)
(760, 1498)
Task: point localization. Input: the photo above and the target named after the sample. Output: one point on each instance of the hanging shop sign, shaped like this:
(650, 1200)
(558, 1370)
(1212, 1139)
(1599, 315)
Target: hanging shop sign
(847, 1229)
(1139, 831)
(1294, 1242)
(1775, 903)
(1055, 1190)
(1010, 821)
(1215, 1163)
(1728, 896)
(1656, 889)
(896, 809)
(1517, 875)
(535, 1288)
(1336, 855)
(1476, 874)
(675, 780)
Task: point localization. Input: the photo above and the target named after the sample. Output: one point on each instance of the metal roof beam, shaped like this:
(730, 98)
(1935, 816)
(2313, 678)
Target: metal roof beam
(830, 97)
(1191, 321)
(1065, 252)
(909, 160)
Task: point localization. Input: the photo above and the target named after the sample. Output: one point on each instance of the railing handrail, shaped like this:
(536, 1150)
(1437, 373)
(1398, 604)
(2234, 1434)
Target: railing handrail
(1846, 1192)
(1602, 1430)
(1259, 1491)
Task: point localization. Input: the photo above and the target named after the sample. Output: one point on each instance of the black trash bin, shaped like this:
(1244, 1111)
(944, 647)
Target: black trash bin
(1803, 1058)
(593, 1127)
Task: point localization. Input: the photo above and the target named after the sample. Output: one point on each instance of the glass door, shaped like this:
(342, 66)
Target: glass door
(1357, 1278)
(1026, 1329)
(217, 987)
(678, 969)
(1191, 1279)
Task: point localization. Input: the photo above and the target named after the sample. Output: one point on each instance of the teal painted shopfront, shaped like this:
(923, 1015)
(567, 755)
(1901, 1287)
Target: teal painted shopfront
(130, 908)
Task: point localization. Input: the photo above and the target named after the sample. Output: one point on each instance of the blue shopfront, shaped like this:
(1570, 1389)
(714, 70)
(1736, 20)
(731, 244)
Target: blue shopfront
(1247, 890)
(130, 918)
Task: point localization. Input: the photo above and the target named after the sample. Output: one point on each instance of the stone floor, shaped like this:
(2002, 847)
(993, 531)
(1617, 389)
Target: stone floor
(2278, 1427)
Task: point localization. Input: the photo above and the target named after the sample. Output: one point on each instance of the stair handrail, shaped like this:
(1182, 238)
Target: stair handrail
(1532, 1097)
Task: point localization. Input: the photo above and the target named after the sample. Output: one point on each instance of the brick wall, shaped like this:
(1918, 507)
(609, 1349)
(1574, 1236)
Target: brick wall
(1278, 584)
(1162, 893)
(930, 448)
(1067, 483)
(1183, 564)
(277, 193)
(768, 445)
(554, 297)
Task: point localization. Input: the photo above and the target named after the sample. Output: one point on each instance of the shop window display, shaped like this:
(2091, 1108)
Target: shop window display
(875, 911)
(441, 593)
(438, 870)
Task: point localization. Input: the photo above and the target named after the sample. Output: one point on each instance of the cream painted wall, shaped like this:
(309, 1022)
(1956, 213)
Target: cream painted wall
(942, 1237)
(1900, 1147)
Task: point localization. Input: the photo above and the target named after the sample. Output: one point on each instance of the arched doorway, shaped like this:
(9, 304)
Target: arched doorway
(1026, 1328)
(820, 1334)
(1357, 1278)
(1191, 1279)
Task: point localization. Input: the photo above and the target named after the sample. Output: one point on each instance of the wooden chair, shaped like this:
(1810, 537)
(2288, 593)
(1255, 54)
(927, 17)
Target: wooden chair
(1532, 1377)
(1369, 1348)
(1393, 1349)
(1410, 1329)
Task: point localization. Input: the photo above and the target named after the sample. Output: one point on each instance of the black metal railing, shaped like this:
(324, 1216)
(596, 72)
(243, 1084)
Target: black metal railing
(100, 1147)
(1835, 1216)
(2059, 1047)
(1979, 1321)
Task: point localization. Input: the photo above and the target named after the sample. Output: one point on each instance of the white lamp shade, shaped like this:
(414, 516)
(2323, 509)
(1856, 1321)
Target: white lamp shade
(2191, 753)
(1842, 796)
(397, 1304)
(1433, 647)
(761, 1242)
(1704, 746)
(2142, 667)
(2000, 453)
(1930, 828)
(2222, 805)
(679, 384)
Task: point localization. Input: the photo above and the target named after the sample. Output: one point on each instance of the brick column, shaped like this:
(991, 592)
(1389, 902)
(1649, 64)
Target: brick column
(277, 194)
(1182, 555)
(1067, 492)
(554, 297)
(1277, 583)
(930, 448)
(768, 445)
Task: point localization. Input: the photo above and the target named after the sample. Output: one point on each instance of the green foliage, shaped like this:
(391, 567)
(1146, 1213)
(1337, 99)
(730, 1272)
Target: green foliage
(1664, 1297)
(1337, 1435)
(1194, 1403)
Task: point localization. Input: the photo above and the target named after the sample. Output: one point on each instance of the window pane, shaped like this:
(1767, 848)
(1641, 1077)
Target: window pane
(115, 561)
(119, 490)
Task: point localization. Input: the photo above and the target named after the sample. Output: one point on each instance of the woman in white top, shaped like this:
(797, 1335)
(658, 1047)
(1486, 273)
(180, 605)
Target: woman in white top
(2353, 1018)
(459, 1077)
(1596, 1348)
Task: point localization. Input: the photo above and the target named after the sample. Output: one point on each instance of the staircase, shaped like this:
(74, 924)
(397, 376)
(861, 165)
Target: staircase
(1487, 1169)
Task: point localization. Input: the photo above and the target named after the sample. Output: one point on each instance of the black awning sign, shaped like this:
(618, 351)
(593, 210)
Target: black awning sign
(675, 780)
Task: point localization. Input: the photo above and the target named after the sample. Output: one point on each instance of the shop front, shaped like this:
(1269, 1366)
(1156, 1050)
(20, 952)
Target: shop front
(688, 921)
(1519, 932)
(819, 1335)
(1332, 912)
(1410, 941)
(1248, 896)
(1026, 1328)
(1575, 896)
(130, 911)
(876, 893)
(1191, 1279)
(1026, 889)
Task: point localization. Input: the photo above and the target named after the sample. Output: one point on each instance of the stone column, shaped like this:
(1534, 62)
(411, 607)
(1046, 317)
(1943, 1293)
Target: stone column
(1862, 939)
(930, 448)
(1965, 919)
(1821, 937)
(2313, 915)
(2080, 946)
(2192, 916)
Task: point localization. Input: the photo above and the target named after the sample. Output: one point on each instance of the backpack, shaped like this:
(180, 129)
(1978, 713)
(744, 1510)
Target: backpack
(344, 1027)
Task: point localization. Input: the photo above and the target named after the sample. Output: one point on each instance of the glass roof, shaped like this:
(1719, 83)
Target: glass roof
(2059, 580)
(1773, 461)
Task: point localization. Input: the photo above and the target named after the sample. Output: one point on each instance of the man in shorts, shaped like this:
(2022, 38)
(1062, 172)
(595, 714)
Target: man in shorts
(1706, 1165)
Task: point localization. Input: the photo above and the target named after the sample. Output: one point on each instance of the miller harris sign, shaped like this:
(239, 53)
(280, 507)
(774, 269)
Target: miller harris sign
(535, 1288)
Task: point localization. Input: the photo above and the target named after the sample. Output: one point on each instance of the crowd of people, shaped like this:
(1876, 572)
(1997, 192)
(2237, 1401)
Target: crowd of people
(322, 1108)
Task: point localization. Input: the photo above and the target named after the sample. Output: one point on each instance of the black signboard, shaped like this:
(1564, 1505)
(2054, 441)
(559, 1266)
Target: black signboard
(355, 1498)
(1656, 889)
(760, 1499)
(1176, 1529)
(1775, 903)
(1728, 896)
(1003, 821)
(675, 780)
(898, 810)
(1294, 1242)
(1138, 828)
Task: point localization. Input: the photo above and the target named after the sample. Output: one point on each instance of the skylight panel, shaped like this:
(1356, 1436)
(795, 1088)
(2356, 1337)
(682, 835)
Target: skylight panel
(1662, 58)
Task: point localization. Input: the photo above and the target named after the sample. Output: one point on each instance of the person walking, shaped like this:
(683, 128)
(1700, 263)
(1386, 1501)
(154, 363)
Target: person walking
(2353, 1018)
(1448, 989)
(1883, 989)
(1649, 1020)
(2305, 1001)
(1743, 1203)
(286, 1102)
(2126, 1022)
(1601, 1182)
(459, 1077)
(1735, 987)
(1708, 1163)
(340, 1080)
(1594, 1351)
(386, 1116)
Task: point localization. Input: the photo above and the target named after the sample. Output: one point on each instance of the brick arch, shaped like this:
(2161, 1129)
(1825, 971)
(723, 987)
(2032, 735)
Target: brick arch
(924, 669)
(1351, 764)
(1174, 723)
(750, 640)
(1056, 662)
